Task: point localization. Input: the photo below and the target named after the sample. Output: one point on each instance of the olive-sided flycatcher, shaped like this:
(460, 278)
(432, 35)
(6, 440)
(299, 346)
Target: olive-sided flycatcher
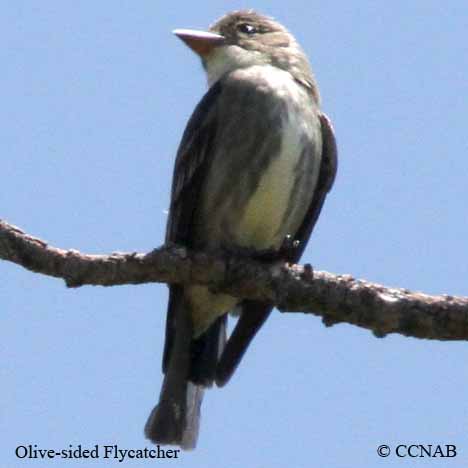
(254, 166)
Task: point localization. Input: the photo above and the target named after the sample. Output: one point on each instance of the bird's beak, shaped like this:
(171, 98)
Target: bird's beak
(201, 42)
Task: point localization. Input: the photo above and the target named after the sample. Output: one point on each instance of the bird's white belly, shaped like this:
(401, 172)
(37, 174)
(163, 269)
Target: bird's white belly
(262, 224)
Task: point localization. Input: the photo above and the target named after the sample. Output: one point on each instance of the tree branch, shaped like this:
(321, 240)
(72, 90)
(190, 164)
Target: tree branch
(336, 298)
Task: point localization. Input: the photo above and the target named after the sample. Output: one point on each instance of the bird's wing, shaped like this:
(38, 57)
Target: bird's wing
(193, 158)
(325, 181)
(253, 313)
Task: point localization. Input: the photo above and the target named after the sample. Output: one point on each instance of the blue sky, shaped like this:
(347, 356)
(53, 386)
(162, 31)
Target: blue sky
(95, 97)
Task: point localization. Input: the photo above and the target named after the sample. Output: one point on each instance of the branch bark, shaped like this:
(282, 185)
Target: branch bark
(291, 288)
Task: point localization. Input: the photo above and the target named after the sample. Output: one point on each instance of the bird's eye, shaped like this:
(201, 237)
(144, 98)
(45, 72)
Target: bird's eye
(246, 28)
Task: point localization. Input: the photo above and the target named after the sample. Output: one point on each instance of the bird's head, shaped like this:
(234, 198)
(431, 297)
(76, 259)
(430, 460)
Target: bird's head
(243, 39)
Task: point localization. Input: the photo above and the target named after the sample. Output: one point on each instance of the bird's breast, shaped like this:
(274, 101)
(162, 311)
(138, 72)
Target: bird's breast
(265, 219)
(266, 164)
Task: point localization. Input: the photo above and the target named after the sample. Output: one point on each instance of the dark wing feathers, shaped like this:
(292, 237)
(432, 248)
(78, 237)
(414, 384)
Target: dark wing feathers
(189, 171)
(325, 181)
(253, 315)
(190, 167)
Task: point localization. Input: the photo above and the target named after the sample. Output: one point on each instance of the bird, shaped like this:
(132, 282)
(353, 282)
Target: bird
(252, 171)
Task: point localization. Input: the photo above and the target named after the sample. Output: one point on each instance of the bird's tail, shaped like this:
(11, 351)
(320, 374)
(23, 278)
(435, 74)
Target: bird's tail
(175, 419)
(190, 367)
